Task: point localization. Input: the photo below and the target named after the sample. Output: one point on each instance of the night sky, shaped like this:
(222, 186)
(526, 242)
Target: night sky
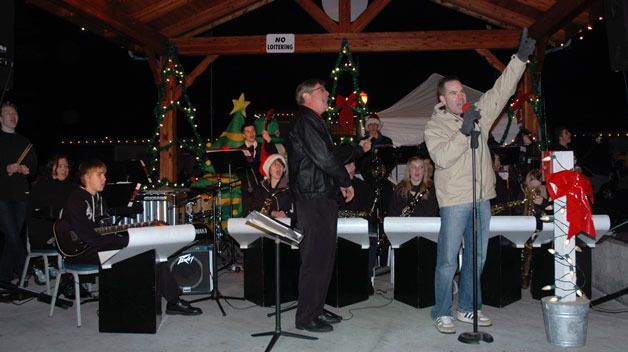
(73, 84)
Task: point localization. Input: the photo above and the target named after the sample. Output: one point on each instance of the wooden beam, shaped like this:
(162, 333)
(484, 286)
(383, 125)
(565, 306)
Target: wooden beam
(558, 16)
(158, 9)
(374, 8)
(491, 59)
(492, 13)
(344, 16)
(224, 8)
(199, 69)
(318, 15)
(153, 64)
(581, 19)
(360, 42)
(110, 15)
(224, 19)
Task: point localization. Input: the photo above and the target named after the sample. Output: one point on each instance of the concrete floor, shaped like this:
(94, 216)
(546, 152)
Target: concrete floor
(379, 324)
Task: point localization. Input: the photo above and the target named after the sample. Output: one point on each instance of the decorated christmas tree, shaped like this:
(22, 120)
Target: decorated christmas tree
(344, 107)
(172, 72)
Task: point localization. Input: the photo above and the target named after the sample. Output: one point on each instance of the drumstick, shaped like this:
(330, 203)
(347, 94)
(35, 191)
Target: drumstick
(24, 153)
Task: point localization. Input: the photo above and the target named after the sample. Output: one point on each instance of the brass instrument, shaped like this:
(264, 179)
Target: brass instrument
(409, 209)
(268, 202)
(352, 214)
(501, 207)
(526, 254)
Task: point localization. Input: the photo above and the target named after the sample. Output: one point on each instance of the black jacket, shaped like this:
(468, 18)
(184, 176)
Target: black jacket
(314, 171)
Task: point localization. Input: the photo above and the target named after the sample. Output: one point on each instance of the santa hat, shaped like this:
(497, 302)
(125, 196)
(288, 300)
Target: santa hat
(270, 160)
(373, 118)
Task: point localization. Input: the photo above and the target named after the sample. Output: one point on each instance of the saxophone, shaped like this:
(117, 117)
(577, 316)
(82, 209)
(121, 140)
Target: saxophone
(499, 208)
(412, 203)
(268, 202)
(353, 214)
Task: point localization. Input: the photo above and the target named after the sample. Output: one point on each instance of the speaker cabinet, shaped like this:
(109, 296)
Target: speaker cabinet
(501, 278)
(616, 17)
(415, 265)
(193, 268)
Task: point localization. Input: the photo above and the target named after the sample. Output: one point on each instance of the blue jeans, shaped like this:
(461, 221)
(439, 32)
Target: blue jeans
(12, 215)
(455, 226)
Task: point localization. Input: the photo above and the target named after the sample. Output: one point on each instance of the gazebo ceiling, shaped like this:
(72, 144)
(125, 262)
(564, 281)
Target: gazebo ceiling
(148, 25)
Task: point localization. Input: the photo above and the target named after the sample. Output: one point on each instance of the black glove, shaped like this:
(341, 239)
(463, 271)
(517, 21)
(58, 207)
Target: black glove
(526, 45)
(468, 118)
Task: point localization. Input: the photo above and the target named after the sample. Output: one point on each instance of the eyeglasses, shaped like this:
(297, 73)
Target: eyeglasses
(315, 89)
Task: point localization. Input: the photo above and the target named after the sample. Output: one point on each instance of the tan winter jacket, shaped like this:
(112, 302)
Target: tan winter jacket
(450, 149)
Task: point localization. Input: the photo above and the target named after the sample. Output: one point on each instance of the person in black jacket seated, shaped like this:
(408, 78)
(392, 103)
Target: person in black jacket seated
(47, 198)
(315, 177)
(82, 211)
(274, 189)
(251, 176)
(414, 192)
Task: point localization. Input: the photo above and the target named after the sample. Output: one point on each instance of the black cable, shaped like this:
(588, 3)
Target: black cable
(377, 292)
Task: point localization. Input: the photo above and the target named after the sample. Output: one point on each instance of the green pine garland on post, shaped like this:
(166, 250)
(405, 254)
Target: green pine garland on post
(172, 70)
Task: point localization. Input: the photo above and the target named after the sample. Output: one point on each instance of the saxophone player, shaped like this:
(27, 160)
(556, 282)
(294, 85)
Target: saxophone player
(413, 196)
(271, 196)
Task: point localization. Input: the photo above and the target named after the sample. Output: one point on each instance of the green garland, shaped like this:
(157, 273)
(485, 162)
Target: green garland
(342, 67)
(172, 69)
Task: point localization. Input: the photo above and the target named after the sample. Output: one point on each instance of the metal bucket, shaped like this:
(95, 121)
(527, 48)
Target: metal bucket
(566, 322)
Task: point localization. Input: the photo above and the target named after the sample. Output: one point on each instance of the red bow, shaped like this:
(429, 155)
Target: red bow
(517, 104)
(346, 114)
(577, 188)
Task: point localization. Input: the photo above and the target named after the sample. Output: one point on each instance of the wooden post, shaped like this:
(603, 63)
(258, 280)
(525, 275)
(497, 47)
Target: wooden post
(529, 116)
(167, 134)
(563, 280)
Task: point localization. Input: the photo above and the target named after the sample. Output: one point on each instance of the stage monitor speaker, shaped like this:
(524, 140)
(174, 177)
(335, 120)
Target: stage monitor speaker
(193, 269)
(7, 47)
(616, 17)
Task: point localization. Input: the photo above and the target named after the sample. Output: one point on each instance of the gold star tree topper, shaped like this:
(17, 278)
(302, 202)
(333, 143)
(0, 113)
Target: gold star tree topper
(239, 105)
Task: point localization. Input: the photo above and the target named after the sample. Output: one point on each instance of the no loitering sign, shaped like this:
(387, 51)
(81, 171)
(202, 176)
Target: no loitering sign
(279, 43)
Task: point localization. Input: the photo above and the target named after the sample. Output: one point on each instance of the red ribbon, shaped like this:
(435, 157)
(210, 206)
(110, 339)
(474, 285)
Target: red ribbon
(346, 114)
(577, 188)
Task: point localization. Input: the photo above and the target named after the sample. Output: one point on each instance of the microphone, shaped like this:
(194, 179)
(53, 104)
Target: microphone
(466, 107)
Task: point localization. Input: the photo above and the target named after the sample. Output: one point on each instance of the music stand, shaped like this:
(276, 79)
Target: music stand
(280, 233)
(120, 198)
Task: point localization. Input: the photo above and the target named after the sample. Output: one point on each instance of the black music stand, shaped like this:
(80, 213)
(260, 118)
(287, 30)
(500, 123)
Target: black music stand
(280, 233)
(120, 199)
(221, 160)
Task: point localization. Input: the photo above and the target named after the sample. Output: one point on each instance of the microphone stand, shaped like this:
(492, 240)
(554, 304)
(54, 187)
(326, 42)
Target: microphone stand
(475, 336)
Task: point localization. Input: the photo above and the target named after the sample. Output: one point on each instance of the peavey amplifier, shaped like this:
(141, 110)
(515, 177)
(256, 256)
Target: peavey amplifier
(193, 269)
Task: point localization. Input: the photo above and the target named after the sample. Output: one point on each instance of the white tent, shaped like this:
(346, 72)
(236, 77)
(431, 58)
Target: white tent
(405, 121)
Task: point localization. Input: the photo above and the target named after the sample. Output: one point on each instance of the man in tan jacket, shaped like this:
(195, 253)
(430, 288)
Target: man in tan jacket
(447, 136)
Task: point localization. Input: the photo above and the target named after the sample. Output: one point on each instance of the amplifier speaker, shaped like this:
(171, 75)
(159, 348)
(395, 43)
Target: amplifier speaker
(616, 17)
(193, 268)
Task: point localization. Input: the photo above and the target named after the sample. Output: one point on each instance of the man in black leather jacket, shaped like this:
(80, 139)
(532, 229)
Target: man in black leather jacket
(315, 176)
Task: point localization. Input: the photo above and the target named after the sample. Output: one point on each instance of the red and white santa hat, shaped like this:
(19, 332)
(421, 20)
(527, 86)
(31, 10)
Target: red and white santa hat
(374, 118)
(270, 160)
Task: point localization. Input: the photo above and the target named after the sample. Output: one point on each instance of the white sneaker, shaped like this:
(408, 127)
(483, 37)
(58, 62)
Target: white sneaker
(445, 325)
(467, 317)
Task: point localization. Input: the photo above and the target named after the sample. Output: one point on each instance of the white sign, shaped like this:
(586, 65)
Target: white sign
(279, 43)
